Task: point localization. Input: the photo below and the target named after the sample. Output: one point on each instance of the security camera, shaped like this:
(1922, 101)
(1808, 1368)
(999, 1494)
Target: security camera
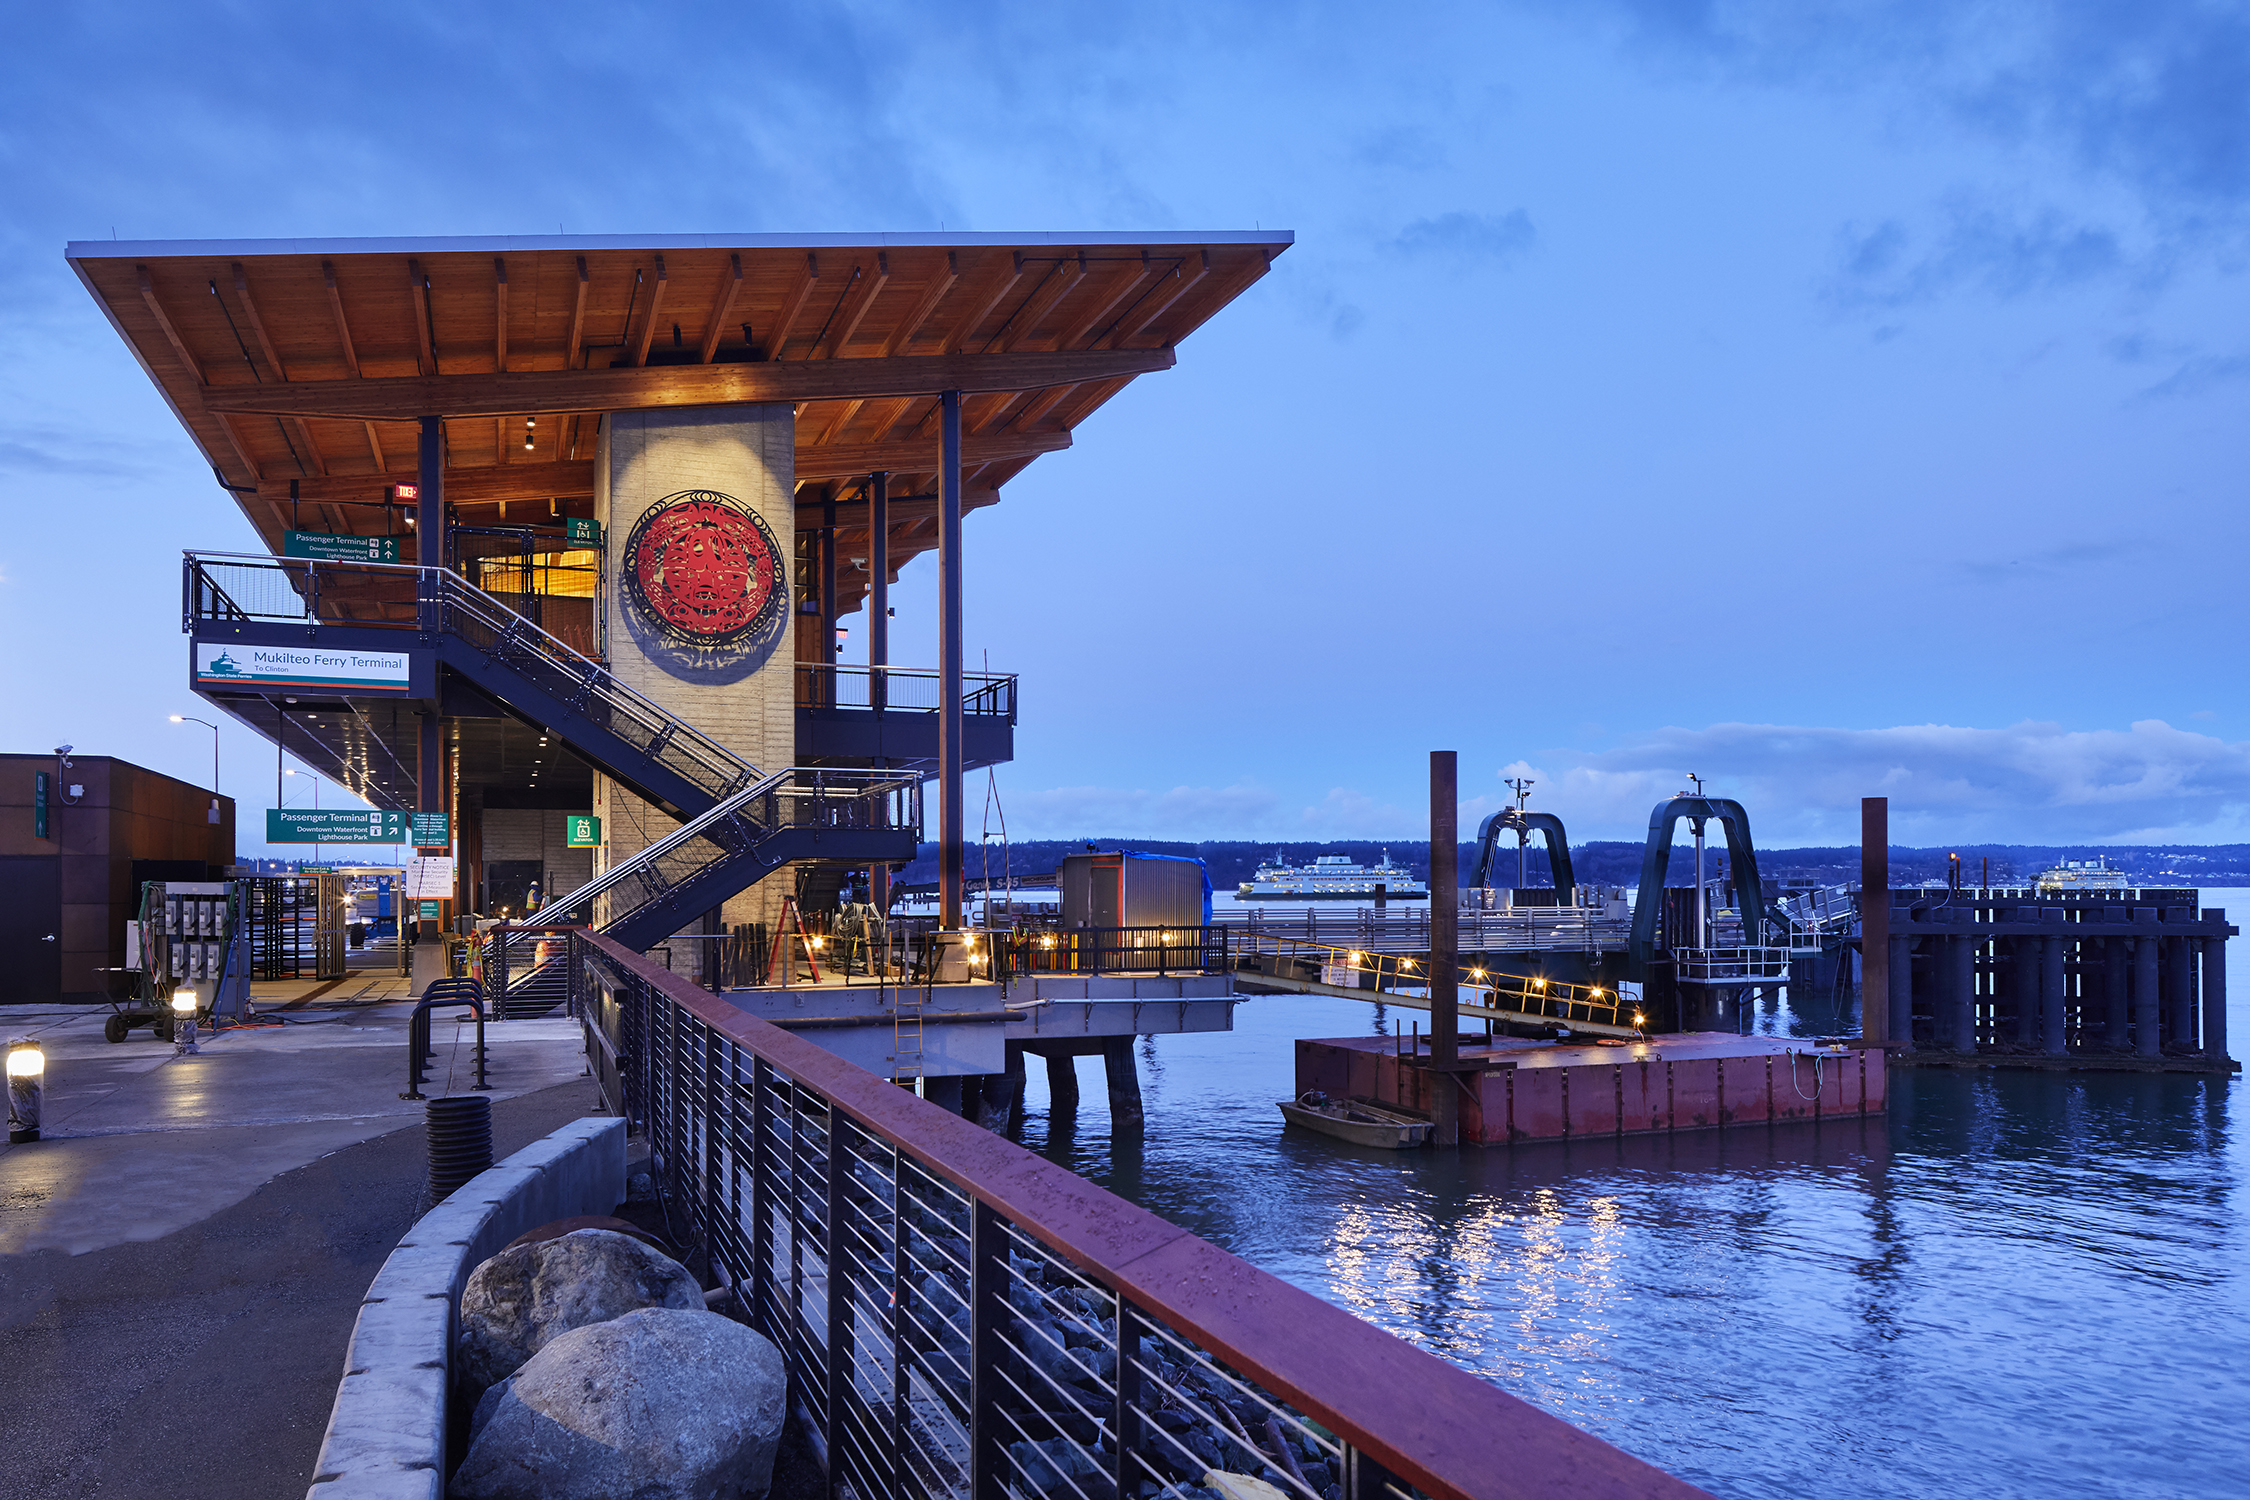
(62, 749)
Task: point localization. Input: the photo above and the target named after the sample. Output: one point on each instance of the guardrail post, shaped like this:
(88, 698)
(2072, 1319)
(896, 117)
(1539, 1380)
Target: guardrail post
(761, 1195)
(1125, 1420)
(839, 1340)
(988, 1291)
(1365, 1479)
(902, 1290)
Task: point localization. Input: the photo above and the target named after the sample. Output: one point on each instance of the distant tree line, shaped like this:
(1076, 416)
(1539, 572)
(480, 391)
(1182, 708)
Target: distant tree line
(1612, 862)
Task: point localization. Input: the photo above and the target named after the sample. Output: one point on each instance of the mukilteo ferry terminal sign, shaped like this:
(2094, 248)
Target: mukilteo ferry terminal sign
(238, 664)
(706, 588)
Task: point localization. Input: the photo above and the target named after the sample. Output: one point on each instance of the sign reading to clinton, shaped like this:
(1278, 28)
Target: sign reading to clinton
(706, 588)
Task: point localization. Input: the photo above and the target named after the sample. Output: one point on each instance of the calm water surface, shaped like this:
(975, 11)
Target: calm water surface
(2017, 1285)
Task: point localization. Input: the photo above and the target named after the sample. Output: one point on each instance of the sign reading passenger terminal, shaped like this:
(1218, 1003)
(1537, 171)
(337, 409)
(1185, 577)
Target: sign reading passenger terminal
(301, 667)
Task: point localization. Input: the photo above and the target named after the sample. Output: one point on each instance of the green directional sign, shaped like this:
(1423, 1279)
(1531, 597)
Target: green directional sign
(431, 830)
(582, 831)
(311, 825)
(331, 546)
(582, 531)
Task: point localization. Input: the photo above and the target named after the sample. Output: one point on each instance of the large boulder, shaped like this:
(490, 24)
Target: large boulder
(659, 1404)
(528, 1295)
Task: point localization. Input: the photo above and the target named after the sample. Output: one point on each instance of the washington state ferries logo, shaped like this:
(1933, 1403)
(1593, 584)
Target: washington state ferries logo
(706, 587)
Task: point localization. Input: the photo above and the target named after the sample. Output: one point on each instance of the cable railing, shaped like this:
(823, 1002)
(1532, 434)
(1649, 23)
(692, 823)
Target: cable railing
(235, 589)
(963, 1319)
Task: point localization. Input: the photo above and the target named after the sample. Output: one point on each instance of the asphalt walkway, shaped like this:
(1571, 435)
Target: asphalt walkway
(182, 1255)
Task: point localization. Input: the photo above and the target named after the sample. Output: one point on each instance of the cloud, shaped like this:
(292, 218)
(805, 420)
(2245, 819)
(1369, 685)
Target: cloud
(2197, 376)
(2048, 564)
(1466, 236)
(2002, 254)
(69, 458)
(1203, 812)
(2029, 782)
(2147, 96)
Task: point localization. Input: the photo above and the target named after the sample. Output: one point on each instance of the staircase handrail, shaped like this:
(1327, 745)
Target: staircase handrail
(458, 592)
(862, 783)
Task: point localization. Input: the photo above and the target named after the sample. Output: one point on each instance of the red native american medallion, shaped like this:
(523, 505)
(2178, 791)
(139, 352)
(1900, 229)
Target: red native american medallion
(704, 570)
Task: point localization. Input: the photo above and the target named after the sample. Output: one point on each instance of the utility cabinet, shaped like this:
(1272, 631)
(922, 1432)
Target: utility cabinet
(1125, 889)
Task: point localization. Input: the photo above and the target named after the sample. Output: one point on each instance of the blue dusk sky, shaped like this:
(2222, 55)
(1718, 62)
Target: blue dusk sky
(1829, 399)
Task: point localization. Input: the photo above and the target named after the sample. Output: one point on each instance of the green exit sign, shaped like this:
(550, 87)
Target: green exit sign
(582, 831)
(306, 825)
(331, 546)
(582, 531)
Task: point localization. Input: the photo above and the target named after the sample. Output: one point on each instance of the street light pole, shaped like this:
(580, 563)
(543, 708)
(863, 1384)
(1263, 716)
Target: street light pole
(207, 724)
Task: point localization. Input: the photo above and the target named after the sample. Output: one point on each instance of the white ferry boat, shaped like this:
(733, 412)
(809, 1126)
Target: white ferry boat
(2083, 875)
(1331, 877)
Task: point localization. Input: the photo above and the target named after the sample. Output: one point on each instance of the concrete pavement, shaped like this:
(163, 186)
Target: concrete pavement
(139, 1143)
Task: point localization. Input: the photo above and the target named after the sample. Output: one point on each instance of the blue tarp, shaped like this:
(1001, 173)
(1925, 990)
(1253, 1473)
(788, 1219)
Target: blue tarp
(1181, 859)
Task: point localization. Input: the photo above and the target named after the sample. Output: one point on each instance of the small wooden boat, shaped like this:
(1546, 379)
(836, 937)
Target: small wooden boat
(1359, 1121)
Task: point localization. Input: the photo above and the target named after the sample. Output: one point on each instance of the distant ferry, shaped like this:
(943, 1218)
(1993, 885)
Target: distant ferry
(1331, 877)
(2083, 875)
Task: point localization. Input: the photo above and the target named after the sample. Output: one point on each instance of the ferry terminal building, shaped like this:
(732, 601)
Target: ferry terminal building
(671, 465)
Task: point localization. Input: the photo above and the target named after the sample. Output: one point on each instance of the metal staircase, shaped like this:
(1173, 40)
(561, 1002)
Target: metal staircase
(740, 825)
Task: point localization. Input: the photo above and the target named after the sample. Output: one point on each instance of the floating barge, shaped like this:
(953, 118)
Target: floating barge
(1514, 1091)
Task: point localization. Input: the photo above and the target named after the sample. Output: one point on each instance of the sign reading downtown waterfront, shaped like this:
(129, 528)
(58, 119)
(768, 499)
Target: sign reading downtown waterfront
(308, 825)
(244, 665)
(330, 546)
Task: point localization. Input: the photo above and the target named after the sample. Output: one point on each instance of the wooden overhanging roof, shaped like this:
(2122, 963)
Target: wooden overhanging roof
(312, 361)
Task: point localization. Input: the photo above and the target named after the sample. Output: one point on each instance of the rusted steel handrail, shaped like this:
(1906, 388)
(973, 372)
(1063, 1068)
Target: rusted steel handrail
(1430, 1424)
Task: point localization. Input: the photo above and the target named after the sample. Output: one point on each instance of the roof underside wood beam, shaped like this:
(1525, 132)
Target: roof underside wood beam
(524, 393)
(730, 287)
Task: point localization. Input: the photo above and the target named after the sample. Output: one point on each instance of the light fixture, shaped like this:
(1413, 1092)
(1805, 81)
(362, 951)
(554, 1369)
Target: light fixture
(27, 1075)
(183, 1023)
(183, 1002)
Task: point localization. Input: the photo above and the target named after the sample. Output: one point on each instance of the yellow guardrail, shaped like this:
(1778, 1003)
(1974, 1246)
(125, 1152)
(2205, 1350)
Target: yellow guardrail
(1555, 999)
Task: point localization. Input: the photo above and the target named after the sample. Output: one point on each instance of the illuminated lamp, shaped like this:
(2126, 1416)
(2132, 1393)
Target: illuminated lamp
(27, 1076)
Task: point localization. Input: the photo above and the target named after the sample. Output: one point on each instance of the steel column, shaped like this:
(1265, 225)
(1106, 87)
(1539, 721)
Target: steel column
(1445, 917)
(2117, 1000)
(1962, 952)
(2179, 985)
(2026, 971)
(1874, 922)
(2148, 1028)
(2214, 995)
(950, 820)
(828, 587)
(1900, 1036)
(878, 585)
(429, 519)
(2054, 998)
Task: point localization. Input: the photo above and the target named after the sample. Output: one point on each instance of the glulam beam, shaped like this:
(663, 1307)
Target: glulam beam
(528, 393)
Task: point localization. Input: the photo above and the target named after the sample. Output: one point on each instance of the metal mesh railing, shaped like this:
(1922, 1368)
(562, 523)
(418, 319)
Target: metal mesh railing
(963, 1319)
(901, 689)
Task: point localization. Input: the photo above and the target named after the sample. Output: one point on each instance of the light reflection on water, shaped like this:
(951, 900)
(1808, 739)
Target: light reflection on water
(2019, 1284)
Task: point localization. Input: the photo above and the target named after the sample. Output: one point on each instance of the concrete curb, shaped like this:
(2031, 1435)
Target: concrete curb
(386, 1432)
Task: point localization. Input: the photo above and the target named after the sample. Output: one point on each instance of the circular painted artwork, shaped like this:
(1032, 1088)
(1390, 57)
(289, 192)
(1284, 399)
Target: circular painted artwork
(706, 583)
